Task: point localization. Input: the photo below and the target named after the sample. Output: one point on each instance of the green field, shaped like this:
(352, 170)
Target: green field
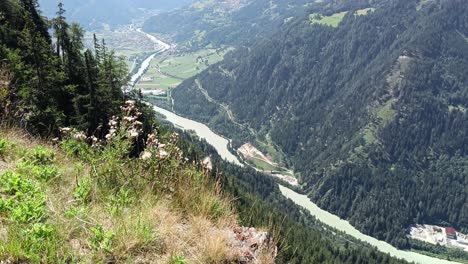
(168, 71)
(335, 19)
(331, 21)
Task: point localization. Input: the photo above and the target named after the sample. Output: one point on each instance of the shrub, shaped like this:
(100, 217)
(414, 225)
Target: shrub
(12, 183)
(45, 172)
(76, 148)
(101, 239)
(3, 146)
(42, 155)
(119, 201)
(28, 209)
(82, 192)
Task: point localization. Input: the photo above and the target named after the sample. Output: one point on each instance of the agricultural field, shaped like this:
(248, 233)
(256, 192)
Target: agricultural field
(167, 71)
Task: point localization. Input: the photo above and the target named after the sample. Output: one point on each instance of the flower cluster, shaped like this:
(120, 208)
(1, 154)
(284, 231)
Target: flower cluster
(130, 121)
(154, 148)
(113, 128)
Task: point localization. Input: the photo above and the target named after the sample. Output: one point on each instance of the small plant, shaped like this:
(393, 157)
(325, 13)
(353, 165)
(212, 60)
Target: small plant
(145, 233)
(76, 147)
(83, 191)
(44, 172)
(12, 183)
(101, 239)
(119, 201)
(178, 260)
(74, 211)
(3, 146)
(28, 209)
(42, 155)
(39, 232)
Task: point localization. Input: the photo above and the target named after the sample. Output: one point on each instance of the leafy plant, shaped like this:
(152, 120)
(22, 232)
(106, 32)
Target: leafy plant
(28, 209)
(45, 172)
(74, 211)
(145, 233)
(42, 155)
(3, 146)
(77, 148)
(119, 201)
(12, 183)
(101, 239)
(82, 191)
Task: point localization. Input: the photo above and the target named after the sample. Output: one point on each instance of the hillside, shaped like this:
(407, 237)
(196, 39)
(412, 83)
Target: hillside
(223, 22)
(75, 203)
(368, 107)
(93, 14)
(88, 175)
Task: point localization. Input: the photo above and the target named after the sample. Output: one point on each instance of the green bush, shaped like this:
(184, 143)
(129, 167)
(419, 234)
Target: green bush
(3, 146)
(41, 155)
(12, 184)
(76, 148)
(101, 239)
(45, 172)
(119, 201)
(28, 208)
(82, 192)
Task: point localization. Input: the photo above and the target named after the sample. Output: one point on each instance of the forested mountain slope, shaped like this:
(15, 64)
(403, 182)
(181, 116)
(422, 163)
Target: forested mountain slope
(372, 112)
(92, 14)
(224, 22)
(115, 185)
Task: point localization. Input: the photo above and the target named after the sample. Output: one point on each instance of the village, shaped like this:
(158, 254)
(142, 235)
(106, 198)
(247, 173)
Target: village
(436, 235)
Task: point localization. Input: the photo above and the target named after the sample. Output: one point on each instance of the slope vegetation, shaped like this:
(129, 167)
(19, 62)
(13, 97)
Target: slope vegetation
(223, 22)
(371, 113)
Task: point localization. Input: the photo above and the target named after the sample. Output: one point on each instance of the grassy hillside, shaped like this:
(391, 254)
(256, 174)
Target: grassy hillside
(56, 207)
(71, 202)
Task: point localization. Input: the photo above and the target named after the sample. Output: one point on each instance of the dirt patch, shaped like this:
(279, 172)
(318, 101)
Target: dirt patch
(249, 151)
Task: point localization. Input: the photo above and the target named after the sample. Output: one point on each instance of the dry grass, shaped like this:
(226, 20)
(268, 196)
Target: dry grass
(189, 221)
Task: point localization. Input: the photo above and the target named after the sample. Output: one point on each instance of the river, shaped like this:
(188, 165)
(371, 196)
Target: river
(221, 145)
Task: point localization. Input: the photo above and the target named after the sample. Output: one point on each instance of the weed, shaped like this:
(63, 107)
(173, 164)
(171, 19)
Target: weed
(12, 184)
(178, 260)
(119, 201)
(145, 233)
(74, 211)
(82, 192)
(42, 155)
(76, 148)
(3, 146)
(45, 172)
(27, 208)
(101, 239)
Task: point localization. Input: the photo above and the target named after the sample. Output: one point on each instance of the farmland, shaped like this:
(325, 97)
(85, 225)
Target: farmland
(167, 70)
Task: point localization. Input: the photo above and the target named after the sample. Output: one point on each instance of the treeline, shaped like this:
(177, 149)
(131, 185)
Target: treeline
(372, 114)
(51, 81)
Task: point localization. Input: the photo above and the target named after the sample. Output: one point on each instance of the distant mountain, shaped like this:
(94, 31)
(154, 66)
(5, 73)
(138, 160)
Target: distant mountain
(92, 13)
(224, 22)
(369, 104)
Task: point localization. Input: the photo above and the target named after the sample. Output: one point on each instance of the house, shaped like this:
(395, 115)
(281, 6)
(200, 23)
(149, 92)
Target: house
(451, 233)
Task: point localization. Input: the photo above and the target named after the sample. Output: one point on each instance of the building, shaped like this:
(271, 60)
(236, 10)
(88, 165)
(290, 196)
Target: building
(451, 233)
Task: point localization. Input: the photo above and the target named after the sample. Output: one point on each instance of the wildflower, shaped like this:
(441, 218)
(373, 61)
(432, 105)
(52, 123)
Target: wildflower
(163, 154)
(146, 155)
(80, 136)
